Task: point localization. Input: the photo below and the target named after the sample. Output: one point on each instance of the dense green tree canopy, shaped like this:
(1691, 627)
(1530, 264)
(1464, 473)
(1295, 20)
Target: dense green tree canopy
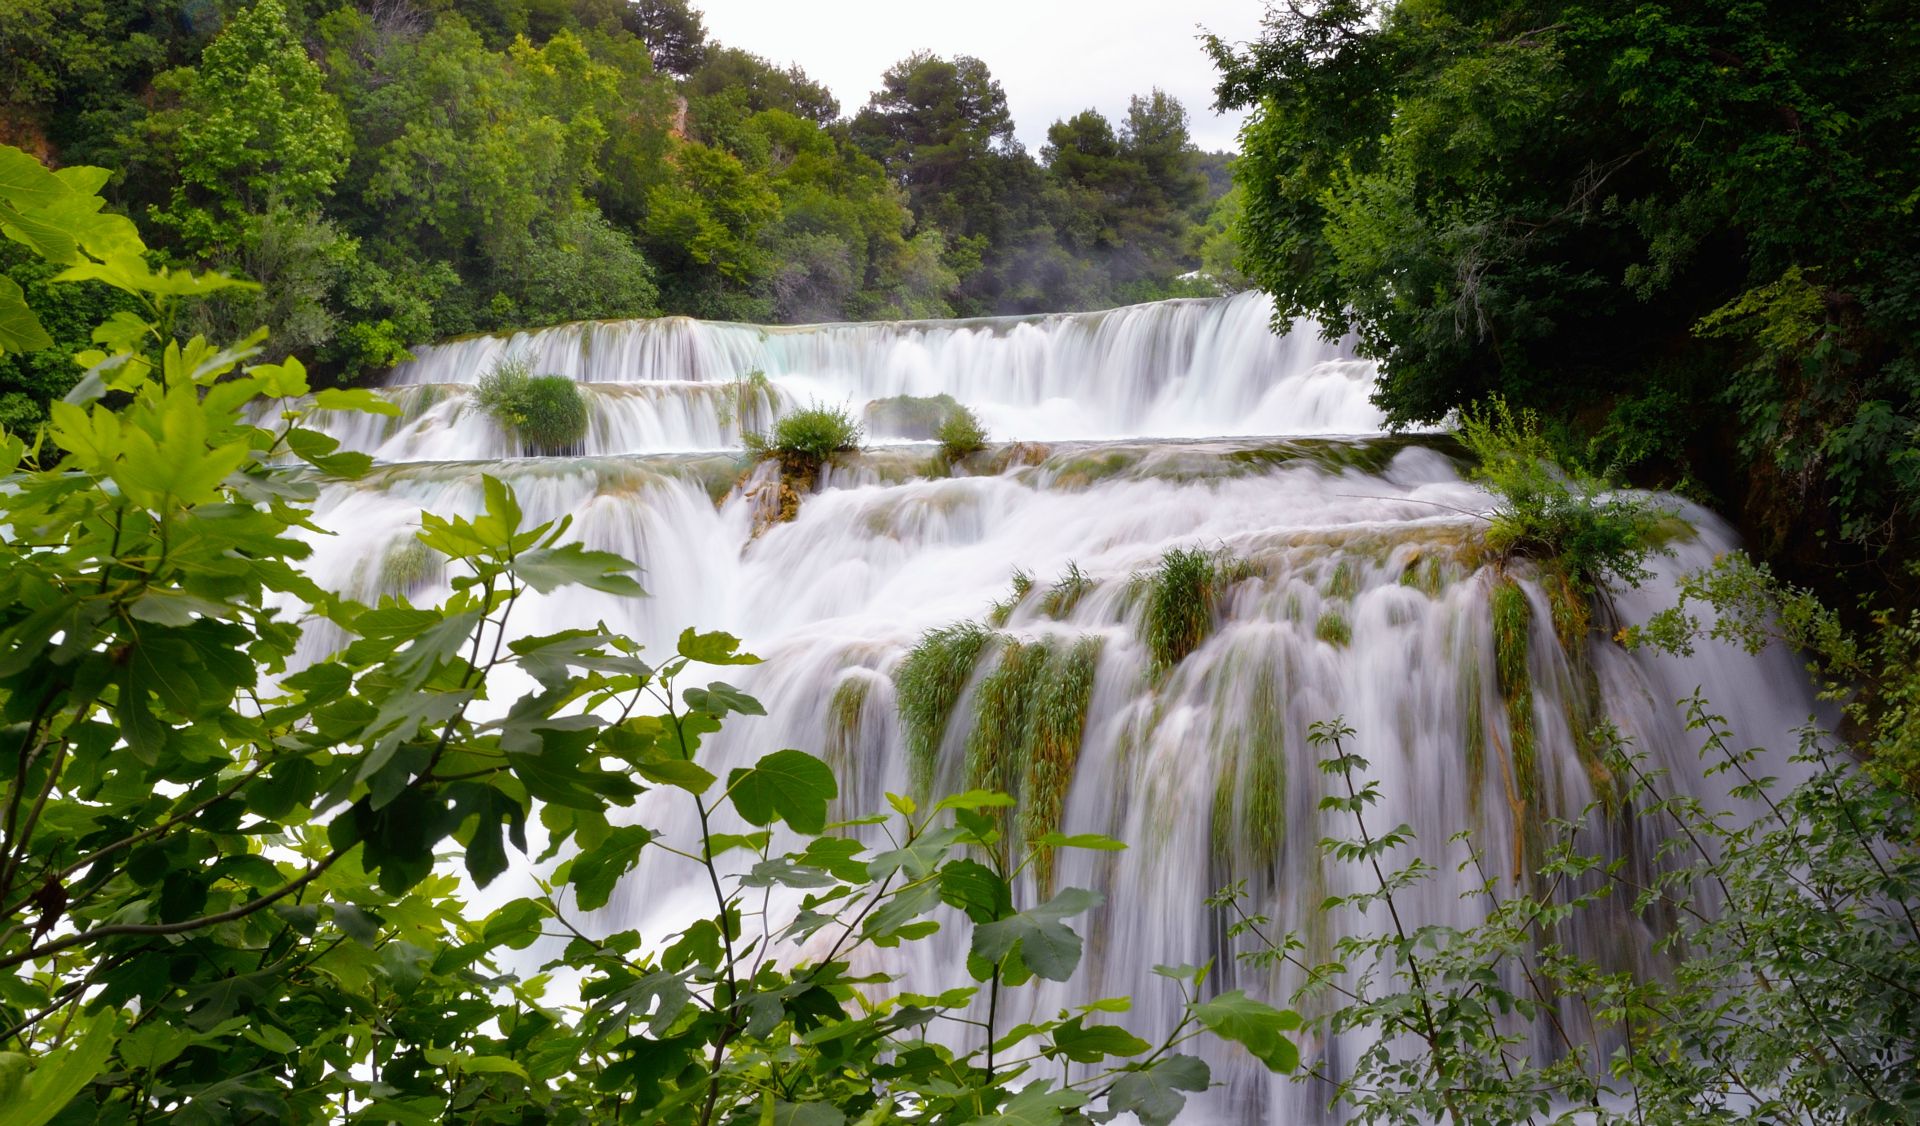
(397, 172)
(1684, 230)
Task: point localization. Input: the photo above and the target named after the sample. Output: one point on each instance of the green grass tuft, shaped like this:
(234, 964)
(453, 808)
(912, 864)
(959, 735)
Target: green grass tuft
(1475, 735)
(1333, 629)
(999, 612)
(1250, 794)
(1066, 593)
(546, 412)
(1057, 723)
(997, 746)
(1182, 596)
(1345, 581)
(1594, 534)
(1426, 574)
(744, 400)
(961, 434)
(809, 435)
(929, 683)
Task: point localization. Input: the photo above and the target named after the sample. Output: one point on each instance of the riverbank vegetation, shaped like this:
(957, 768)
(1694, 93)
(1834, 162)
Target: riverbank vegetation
(398, 172)
(1683, 234)
(1788, 989)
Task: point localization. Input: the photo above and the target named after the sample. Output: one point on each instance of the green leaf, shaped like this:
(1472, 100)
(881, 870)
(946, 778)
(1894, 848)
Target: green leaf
(1153, 1094)
(516, 925)
(272, 1039)
(20, 330)
(713, 649)
(354, 399)
(458, 1062)
(317, 450)
(1037, 1104)
(25, 182)
(1080, 840)
(974, 800)
(975, 889)
(595, 872)
(35, 231)
(84, 179)
(789, 785)
(356, 924)
(806, 1114)
(154, 1045)
(691, 777)
(1255, 1024)
(1046, 944)
(59, 1076)
(1083, 1044)
(720, 699)
(570, 564)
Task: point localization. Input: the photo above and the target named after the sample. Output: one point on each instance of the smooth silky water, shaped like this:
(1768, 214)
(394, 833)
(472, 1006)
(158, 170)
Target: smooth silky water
(1139, 430)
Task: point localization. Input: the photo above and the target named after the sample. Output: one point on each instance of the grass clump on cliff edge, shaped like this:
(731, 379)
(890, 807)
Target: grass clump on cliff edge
(809, 435)
(961, 434)
(547, 412)
(1065, 594)
(1183, 594)
(928, 685)
(1544, 512)
(1000, 611)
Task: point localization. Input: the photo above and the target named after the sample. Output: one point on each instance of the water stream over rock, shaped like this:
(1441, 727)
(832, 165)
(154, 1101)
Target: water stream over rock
(1350, 584)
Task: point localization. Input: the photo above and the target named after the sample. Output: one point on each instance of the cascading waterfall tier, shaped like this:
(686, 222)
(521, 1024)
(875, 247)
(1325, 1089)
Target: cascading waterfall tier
(1169, 369)
(1344, 577)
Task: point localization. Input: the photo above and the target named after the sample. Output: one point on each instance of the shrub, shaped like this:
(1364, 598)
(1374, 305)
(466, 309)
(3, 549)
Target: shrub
(811, 434)
(547, 412)
(961, 434)
(1574, 521)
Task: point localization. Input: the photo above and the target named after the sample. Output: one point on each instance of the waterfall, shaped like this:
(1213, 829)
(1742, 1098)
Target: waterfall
(1356, 588)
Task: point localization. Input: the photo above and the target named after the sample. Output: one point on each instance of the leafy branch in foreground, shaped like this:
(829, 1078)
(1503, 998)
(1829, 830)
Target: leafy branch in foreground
(1785, 988)
(227, 843)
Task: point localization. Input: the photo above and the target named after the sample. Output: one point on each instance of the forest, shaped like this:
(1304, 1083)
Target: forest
(395, 173)
(1414, 622)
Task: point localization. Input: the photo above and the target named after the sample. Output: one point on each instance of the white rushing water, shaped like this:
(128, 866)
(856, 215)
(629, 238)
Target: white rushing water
(1169, 369)
(1360, 594)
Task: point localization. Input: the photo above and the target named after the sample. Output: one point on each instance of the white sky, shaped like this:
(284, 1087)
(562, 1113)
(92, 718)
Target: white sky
(1054, 58)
